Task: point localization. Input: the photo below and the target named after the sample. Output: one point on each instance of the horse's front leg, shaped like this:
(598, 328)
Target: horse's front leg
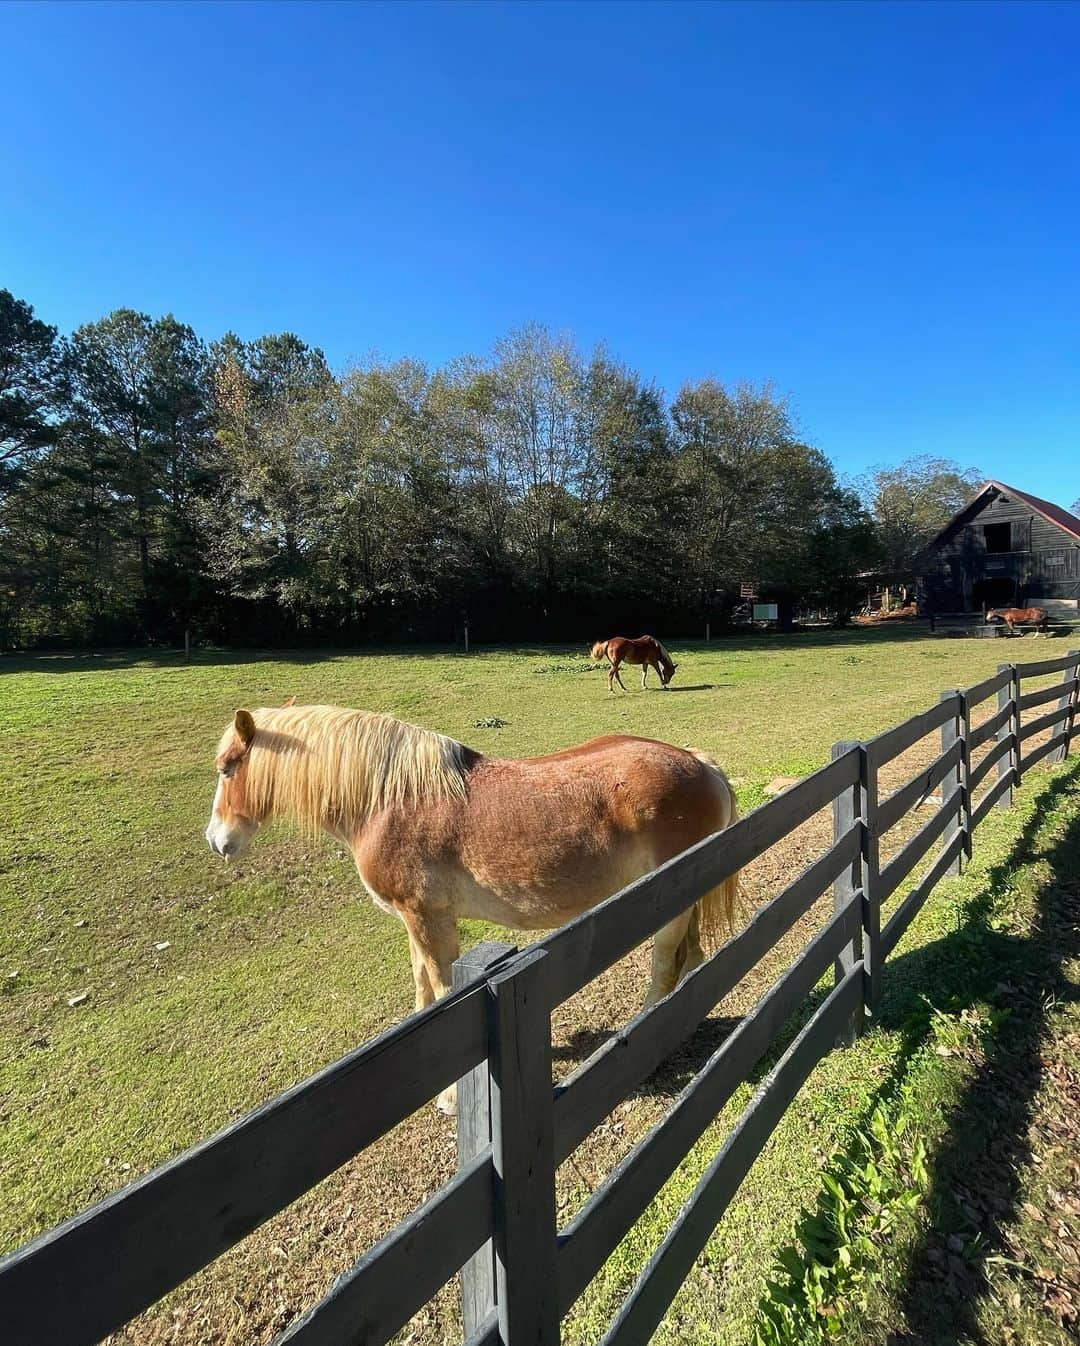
(644, 675)
(425, 994)
(433, 946)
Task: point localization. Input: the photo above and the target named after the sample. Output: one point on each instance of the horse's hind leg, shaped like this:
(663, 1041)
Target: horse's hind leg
(670, 952)
(644, 675)
(618, 677)
(695, 954)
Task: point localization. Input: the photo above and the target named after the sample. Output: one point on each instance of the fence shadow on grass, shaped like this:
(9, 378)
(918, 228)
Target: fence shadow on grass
(976, 1173)
(976, 964)
(978, 1165)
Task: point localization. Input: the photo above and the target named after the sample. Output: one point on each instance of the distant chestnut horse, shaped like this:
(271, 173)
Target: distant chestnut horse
(1013, 617)
(646, 650)
(440, 832)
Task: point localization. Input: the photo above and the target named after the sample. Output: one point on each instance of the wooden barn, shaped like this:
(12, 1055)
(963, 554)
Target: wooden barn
(1005, 548)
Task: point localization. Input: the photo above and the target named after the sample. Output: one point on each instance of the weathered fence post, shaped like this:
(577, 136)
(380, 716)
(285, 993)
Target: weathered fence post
(1009, 763)
(187, 644)
(953, 731)
(847, 812)
(871, 870)
(1068, 705)
(474, 1136)
(523, 1148)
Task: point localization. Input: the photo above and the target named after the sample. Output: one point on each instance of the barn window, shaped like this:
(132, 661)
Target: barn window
(998, 537)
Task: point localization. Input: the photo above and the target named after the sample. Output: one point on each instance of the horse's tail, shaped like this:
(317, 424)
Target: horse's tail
(716, 910)
(599, 649)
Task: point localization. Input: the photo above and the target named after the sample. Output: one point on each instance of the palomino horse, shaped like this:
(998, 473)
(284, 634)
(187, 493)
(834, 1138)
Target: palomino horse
(1013, 617)
(645, 650)
(440, 832)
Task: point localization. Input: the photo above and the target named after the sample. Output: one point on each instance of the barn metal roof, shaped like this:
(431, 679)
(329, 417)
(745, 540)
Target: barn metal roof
(1054, 513)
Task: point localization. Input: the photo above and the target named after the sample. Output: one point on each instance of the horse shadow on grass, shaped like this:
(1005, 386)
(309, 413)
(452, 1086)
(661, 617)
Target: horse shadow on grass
(678, 1068)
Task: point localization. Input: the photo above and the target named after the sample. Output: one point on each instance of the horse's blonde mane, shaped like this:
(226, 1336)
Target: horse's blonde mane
(327, 767)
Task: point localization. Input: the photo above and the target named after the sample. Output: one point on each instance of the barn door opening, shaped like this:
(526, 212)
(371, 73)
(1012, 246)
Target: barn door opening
(998, 591)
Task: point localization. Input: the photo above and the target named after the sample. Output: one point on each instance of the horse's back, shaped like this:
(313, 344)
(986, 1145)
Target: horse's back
(538, 839)
(617, 777)
(607, 747)
(633, 649)
(585, 820)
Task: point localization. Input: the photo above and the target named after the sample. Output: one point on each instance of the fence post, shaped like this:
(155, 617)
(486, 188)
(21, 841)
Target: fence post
(474, 1136)
(1009, 763)
(523, 1148)
(1067, 704)
(871, 869)
(847, 811)
(952, 731)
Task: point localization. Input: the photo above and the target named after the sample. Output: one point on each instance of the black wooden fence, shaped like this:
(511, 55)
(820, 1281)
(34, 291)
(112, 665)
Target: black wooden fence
(496, 1220)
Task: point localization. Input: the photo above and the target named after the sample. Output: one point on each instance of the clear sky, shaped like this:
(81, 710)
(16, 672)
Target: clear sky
(874, 206)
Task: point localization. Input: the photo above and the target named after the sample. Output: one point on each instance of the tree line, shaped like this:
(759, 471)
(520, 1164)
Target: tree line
(152, 482)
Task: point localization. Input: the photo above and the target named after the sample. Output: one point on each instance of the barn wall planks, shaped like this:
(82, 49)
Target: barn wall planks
(966, 569)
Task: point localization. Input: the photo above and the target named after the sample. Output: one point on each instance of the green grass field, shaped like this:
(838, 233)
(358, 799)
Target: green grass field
(209, 988)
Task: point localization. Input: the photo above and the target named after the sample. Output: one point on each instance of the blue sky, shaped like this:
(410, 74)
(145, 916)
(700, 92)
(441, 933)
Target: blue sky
(876, 207)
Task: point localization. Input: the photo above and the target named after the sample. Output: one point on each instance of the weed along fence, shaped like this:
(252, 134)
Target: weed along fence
(496, 1220)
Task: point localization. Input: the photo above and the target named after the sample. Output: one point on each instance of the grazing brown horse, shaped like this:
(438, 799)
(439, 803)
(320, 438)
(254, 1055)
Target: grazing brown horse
(1013, 617)
(440, 832)
(645, 650)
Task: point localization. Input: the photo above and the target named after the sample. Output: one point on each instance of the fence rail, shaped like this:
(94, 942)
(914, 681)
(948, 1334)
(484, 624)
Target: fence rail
(495, 1221)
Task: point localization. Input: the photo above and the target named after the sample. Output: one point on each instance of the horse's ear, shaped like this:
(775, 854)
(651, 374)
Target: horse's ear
(244, 724)
(291, 702)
